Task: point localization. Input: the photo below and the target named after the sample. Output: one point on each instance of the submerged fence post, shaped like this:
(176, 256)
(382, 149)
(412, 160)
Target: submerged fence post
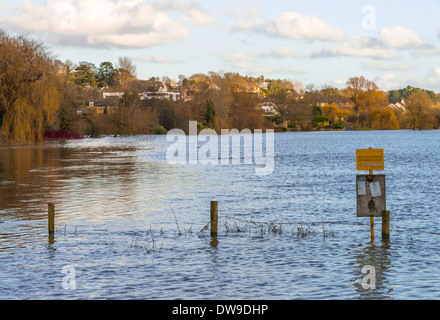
(51, 218)
(214, 218)
(385, 225)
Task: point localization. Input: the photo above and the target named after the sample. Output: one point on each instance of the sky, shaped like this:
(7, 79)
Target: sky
(393, 43)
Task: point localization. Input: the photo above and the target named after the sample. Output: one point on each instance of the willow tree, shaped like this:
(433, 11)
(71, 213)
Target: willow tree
(29, 93)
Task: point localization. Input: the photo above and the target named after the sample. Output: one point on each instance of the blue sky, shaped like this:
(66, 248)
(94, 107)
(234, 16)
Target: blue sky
(394, 43)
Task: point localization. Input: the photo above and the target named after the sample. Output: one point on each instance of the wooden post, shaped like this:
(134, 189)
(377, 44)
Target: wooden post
(214, 218)
(51, 216)
(385, 225)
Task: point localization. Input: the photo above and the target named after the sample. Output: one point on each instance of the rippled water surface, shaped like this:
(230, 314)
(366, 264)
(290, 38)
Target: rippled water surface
(130, 226)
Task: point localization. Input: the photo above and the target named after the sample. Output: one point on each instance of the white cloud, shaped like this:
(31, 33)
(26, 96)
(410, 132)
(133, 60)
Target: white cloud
(245, 62)
(435, 72)
(282, 52)
(390, 81)
(386, 66)
(296, 26)
(137, 40)
(155, 59)
(340, 83)
(243, 65)
(134, 23)
(257, 70)
(239, 60)
(193, 12)
(291, 69)
(400, 37)
(427, 50)
(432, 80)
(248, 24)
(247, 17)
(359, 46)
(251, 68)
(235, 56)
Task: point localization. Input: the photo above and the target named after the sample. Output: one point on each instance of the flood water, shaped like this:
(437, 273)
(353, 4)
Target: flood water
(129, 225)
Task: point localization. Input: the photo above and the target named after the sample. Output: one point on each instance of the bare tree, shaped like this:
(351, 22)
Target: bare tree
(125, 72)
(358, 89)
(419, 113)
(288, 98)
(330, 94)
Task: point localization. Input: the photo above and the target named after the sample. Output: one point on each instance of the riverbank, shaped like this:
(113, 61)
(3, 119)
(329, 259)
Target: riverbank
(47, 135)
(63, 135)
(60, 134)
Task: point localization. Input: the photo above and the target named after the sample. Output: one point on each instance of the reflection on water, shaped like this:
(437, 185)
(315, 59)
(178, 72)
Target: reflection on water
(214, 242)
(22, 182)
(379, 257)
(33, 176)
(115, 197)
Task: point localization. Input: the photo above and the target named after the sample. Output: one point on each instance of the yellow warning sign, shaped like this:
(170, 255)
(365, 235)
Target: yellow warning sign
(370, 159)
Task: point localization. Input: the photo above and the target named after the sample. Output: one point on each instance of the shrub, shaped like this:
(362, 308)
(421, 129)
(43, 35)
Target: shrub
(159, 130)
(60, 134)
(320, 119)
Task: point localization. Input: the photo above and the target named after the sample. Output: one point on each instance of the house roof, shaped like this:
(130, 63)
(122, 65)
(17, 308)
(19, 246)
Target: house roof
(101, 103)
(397, 107)
(396, 100)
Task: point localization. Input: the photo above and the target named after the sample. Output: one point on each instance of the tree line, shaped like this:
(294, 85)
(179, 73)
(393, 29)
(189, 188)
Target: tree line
(40, 93)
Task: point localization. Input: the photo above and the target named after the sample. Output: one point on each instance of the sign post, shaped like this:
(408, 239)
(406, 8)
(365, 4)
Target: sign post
(370, 159)
(370, 189)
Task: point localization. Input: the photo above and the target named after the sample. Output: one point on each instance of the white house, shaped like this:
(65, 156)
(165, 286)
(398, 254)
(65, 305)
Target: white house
(398, 106)
(105, 95)
(269, 108)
